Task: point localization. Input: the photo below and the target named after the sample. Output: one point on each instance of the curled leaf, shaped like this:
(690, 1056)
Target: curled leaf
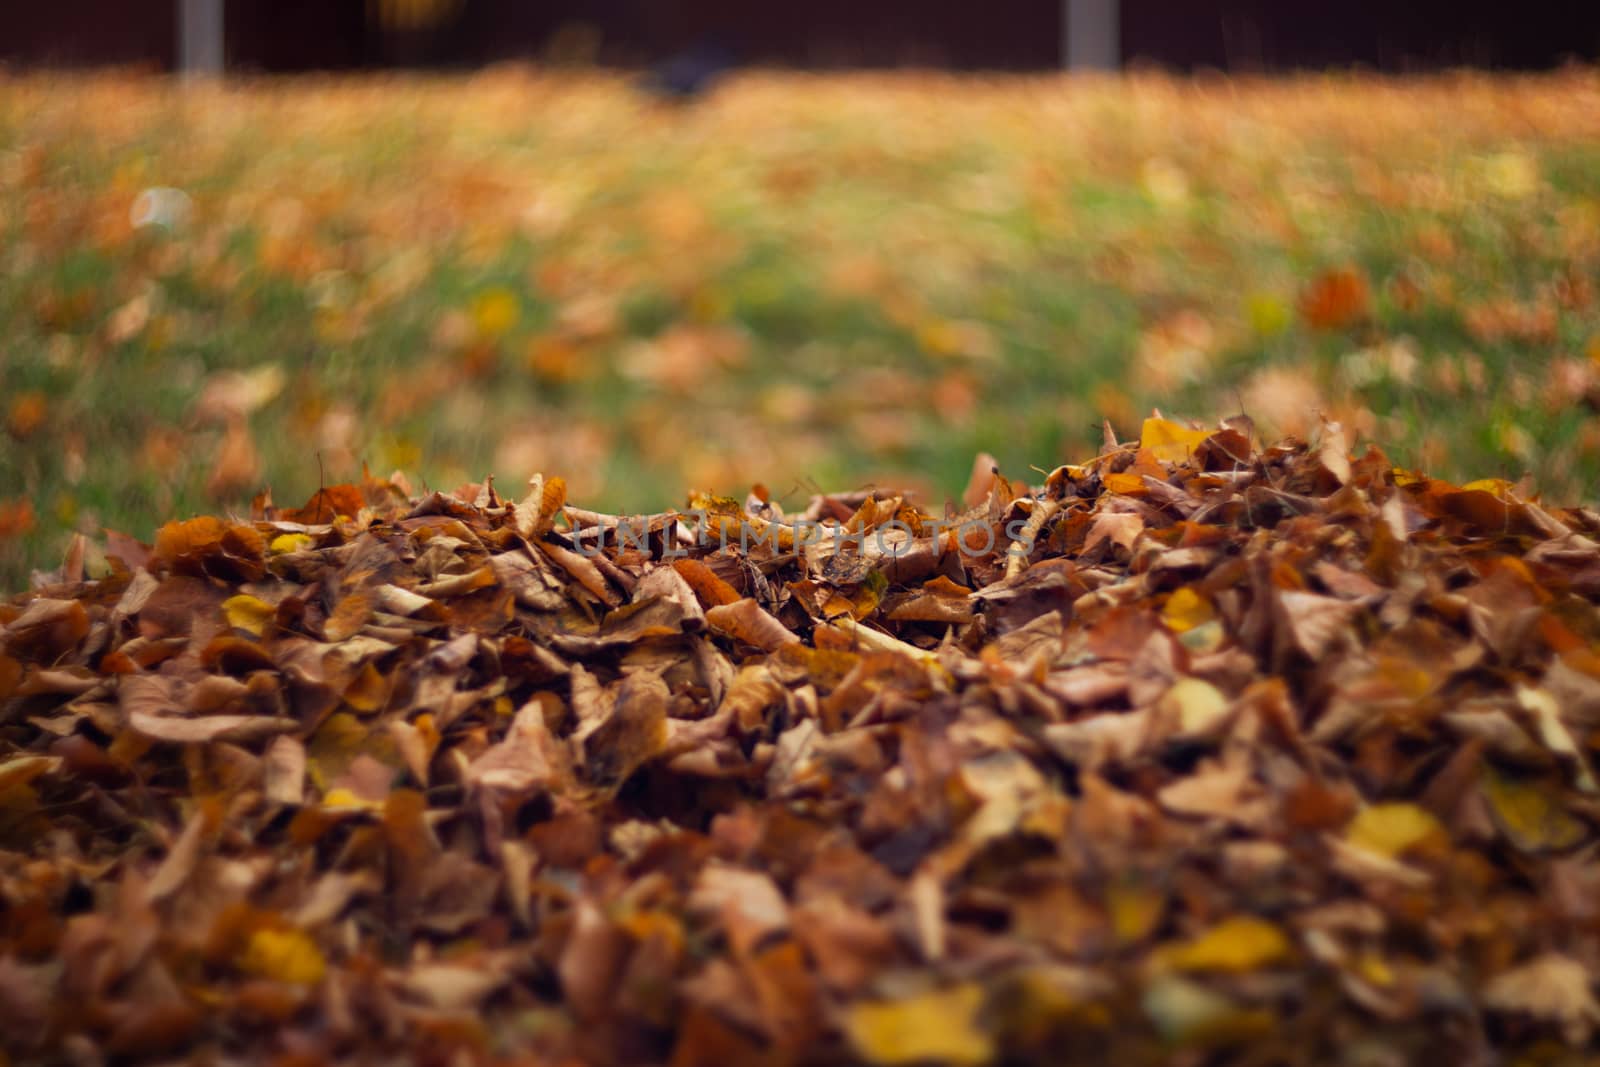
(749, 622)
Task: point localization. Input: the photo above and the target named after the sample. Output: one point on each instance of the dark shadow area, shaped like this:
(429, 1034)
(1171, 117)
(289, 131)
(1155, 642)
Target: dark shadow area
(1237, 35)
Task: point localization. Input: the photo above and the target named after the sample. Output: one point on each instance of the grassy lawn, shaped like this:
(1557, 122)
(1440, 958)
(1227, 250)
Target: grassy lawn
(803, 281)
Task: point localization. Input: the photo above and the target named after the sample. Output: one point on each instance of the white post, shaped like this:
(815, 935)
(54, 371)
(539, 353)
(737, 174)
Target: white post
(200, 37)
(1091, 33)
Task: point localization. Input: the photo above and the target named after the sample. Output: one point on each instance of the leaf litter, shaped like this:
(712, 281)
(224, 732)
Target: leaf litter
(1199, 749)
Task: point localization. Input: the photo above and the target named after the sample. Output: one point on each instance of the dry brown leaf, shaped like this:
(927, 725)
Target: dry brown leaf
(1551, 988)
(284, 771)
(582, 569)
(747, 621)
(609, 806)
(1316, 623)
(1120, 528)
(522, 761)
(237, 468)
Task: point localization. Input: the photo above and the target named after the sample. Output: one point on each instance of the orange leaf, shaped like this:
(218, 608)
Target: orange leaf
(710, 589)
(1125, 484)
(553, 499)
(326, 505)
(16, 517)
(1336, 299)
(178, 540)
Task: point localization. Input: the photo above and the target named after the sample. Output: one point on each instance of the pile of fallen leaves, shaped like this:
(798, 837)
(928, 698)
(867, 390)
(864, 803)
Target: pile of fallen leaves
(1198, 750)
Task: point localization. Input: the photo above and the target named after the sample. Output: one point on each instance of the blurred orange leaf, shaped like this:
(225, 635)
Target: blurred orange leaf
(284, 955)
(1336, 299)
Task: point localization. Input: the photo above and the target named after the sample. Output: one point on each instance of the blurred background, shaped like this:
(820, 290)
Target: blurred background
(1234, 35)
(662, 246)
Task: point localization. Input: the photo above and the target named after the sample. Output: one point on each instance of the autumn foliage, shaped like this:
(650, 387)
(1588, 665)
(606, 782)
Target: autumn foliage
(815, 280)
(1206, 749)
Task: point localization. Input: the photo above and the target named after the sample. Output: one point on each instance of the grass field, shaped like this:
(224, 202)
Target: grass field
(802, 280)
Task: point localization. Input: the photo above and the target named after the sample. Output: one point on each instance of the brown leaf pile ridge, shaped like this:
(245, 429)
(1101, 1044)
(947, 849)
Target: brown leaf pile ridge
(1199, 749)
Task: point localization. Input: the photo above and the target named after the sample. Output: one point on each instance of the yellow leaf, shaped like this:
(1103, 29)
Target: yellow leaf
(1374, 970)
(1125, 484)
(941, 1026)
(866, 598)
(290, 542)
(552, 499)
(1489, 485)
(1135, 910)
(369, 691)
(1186, 609)
(495, 311)
(1189, 1015)
(1529, 813)
(1513, 175)
(345, 798)
(1240, 944)
(1195, 705)
(1168, 441)
(248, 613)
(285, 956)
(1268, 315)
(338, 741)
(939, 337)
(1391, 829)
